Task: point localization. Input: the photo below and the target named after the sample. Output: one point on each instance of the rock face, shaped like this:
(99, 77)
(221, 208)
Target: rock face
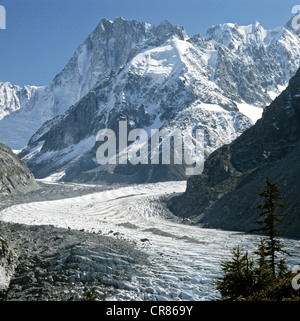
(158, 77)
(7, 265)
(14, 174)
(15, 178)
(103, 52)
(225, 195)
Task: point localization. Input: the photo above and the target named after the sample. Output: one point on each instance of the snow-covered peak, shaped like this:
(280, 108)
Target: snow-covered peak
(231, 65)
(167, 28)
(159, 63)
(239, 38)
(12, 97)
(276, 49)
(291, 28)
(106, 49)
(233, 36)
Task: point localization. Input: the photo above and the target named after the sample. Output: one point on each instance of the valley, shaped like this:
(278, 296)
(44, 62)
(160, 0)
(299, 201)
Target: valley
(122, 243)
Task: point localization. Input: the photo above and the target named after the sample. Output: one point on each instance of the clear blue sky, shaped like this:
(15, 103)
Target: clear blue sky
(42, 35)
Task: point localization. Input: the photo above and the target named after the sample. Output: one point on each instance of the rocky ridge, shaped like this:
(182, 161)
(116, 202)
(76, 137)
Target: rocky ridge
(164, 79)
(226, 193)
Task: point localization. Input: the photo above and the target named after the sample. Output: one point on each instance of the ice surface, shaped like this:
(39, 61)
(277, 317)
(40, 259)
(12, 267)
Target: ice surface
(184, 258)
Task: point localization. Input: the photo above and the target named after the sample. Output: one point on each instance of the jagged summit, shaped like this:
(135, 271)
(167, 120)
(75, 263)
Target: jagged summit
(153, 75)
(290, 26)
(104, 51)
(233, 36)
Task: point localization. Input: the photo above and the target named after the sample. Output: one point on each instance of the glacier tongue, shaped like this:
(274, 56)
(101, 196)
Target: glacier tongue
(183, 259)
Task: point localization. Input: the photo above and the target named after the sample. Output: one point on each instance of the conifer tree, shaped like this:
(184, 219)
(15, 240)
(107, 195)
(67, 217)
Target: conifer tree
(237, 277)
(260, 279)
(263, 273)
(270, 218)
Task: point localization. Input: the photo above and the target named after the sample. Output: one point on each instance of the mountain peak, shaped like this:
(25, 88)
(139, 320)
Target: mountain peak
(233, 35)
(251, 70)
(257, 24)
(291, 28)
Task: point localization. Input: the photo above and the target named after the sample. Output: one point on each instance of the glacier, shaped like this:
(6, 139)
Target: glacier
(182, 259)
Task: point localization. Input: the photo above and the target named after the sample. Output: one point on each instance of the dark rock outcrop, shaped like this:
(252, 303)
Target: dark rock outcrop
(15, 177)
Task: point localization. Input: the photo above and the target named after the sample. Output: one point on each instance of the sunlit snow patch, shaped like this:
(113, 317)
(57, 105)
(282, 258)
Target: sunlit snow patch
(252, 112)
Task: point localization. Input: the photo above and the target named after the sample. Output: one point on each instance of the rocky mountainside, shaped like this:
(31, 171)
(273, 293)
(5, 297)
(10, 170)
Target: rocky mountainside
(168, 80)
(14, 174)
(153, 77)
(13, 98)
(226, 193)
(104, 51)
